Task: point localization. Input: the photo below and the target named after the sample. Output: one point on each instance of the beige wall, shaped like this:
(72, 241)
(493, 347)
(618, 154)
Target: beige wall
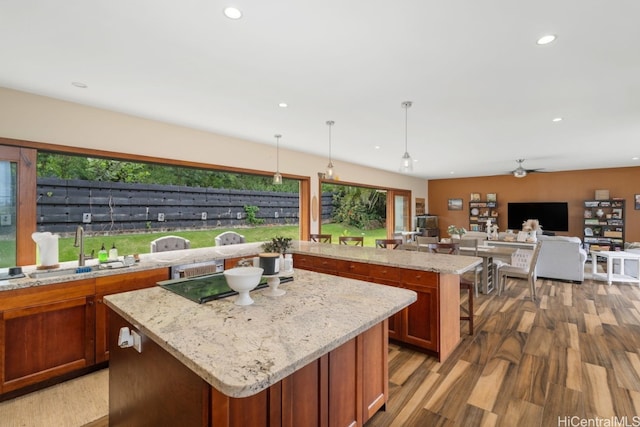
(573, 187)
(41, 119)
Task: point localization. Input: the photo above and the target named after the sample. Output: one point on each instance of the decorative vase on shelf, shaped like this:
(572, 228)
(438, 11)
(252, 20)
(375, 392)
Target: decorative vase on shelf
(599, 213)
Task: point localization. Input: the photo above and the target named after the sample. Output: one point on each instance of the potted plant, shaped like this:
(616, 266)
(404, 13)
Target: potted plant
(455, 232)
(277, 244)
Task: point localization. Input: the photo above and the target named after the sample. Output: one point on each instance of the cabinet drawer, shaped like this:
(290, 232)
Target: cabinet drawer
(314, 263)
(385, 275)
(419, 277)
(352, 269)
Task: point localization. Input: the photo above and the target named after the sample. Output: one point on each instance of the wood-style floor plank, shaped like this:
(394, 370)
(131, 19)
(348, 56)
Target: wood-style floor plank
(573, 353)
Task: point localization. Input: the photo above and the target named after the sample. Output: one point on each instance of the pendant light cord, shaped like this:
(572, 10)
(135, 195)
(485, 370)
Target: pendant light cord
(278, 152)
(330, 123)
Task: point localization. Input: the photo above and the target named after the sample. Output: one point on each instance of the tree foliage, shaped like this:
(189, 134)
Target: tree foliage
(110, 170)
(364, 208)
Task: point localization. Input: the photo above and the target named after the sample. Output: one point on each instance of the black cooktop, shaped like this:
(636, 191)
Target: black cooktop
(207, 288)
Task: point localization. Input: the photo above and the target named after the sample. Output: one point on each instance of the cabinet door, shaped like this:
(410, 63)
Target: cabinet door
(375, 369)
(345, 386)
(303, 401)
(390, 276)
(420, 319)
(112, 285)
(44, 341)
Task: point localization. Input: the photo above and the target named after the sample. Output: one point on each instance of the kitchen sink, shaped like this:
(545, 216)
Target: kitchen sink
(45, 274)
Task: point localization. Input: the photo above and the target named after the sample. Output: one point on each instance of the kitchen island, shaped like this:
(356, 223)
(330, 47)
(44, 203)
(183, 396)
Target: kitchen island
(432, 323)
(317, 354)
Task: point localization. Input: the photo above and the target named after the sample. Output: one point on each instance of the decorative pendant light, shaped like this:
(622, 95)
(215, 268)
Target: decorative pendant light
(329, 172)
(406, 166)
(277, 178)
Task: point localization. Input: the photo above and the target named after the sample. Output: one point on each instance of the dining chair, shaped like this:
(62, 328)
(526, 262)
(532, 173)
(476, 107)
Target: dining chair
(521, 272)
(465, 284)
(169, 243)
(477, 272)
(320, 238)
(356, 240)
(444, 248)
(229, 238)
(388, 243)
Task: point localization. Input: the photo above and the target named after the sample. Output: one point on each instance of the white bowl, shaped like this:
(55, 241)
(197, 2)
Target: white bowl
(243, 280)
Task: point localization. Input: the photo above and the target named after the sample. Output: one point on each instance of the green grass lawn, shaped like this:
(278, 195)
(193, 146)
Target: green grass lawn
(139, 243)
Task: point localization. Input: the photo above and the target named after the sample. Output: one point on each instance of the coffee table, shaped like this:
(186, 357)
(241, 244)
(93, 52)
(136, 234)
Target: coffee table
(610, 256)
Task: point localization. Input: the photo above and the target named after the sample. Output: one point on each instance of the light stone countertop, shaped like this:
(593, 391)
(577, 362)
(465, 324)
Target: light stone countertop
(439, 263)
(455, 264)
(241, 350)
(147, 262)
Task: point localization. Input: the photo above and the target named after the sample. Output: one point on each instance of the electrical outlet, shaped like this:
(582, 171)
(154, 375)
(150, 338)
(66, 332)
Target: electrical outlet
(137, 341)
(5, 219)
(203, 216)
(86, 218)
(239, 215)
(161, 217)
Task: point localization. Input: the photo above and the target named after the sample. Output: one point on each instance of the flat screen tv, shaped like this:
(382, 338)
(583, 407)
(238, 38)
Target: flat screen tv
(553, 216)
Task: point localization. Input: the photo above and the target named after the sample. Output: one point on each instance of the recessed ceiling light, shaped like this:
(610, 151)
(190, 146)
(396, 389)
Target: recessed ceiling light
(377, 147)
(546, 39)
(79, 84)
(635, 158)
(232, 12)
(283, 105)
(557, 119)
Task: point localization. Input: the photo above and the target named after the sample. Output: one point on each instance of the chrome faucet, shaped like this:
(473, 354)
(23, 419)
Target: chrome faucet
(80, 242)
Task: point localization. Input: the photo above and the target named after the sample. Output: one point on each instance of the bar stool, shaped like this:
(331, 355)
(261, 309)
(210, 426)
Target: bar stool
(385, 243)
(454, 249)
(320, 238)
(357, 240)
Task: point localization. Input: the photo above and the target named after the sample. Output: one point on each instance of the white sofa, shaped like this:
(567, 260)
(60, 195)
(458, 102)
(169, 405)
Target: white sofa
(561, 257)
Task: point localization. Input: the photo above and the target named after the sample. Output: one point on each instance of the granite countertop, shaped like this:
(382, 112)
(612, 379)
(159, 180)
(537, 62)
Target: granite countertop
(439, 263)
(147, 262)
(457, 264)
(241, 350)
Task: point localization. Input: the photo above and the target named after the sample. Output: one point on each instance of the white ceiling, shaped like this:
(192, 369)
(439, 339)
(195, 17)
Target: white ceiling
(484, 93)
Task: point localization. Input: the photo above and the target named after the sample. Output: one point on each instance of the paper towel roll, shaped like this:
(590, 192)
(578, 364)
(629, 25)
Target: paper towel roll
(47, 247)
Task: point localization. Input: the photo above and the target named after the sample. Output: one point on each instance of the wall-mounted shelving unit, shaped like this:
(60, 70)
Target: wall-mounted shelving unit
(479, 212)
(604, 225)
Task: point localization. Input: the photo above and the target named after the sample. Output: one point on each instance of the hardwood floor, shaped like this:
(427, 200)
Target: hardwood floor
(574, 353)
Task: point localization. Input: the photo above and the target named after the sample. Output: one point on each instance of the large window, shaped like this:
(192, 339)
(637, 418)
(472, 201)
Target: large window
(127, 204)
(360, 210)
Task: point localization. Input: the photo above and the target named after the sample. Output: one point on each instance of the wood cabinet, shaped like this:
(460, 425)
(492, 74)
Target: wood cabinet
(114, 284)
(52, 331)
(45, 332)
(343, 387)
(431, 323)
(420, 319)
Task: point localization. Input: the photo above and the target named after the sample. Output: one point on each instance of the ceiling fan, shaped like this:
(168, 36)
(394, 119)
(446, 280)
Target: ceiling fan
(520, 171)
